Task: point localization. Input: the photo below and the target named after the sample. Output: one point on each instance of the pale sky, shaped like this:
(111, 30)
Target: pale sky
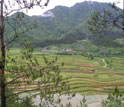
(69, 3)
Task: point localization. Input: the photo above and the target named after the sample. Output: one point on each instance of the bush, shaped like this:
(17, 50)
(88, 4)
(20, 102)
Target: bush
(113, 100)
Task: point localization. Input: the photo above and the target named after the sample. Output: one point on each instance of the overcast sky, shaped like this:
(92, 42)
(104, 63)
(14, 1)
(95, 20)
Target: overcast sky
(69, 3)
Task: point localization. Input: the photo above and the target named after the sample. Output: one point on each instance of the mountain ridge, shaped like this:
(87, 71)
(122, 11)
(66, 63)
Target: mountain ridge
(68, 25)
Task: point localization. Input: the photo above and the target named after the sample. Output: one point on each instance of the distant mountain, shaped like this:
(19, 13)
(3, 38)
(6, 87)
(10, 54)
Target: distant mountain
(65, 25)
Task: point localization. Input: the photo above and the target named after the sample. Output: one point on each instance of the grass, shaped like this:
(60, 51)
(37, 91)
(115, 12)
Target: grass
(86, 75)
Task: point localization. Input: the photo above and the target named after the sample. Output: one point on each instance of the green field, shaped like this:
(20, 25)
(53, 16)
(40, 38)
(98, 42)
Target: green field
(86, 75)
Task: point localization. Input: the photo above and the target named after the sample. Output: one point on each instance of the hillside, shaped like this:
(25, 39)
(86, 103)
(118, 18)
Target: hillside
(64, 25)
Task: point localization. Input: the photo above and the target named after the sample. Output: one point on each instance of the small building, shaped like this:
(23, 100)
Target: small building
(68, 50)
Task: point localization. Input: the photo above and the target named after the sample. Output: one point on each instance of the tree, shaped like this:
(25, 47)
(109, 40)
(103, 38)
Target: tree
(107, 20)
(114, 99)
(47, 80)
(98, 24)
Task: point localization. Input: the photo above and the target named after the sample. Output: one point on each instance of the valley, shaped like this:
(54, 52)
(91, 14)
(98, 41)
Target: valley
(92, 76)
(62, 53)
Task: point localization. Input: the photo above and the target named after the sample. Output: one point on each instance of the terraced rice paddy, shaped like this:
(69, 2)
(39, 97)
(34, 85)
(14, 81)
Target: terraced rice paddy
(87, 76)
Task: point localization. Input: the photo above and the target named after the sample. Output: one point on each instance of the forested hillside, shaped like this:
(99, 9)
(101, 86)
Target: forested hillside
(65, 25)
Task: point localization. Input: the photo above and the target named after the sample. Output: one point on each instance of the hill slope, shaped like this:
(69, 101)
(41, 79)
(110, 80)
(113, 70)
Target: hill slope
(65, 25)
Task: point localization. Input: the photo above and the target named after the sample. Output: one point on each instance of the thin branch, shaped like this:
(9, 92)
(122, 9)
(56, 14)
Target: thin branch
(13, 80)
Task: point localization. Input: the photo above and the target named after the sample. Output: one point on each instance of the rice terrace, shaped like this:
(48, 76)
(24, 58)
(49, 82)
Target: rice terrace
(92, 76)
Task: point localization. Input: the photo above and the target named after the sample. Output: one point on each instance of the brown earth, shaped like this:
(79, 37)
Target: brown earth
(85, 65)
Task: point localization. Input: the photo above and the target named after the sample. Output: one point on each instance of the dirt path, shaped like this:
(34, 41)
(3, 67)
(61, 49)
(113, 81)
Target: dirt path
(95, 104)
(105, 64)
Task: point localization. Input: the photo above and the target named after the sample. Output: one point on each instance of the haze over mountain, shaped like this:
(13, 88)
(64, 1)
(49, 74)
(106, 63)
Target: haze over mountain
(67, 25)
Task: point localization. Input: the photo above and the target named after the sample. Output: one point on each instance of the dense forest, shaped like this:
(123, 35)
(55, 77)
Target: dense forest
(65, 25)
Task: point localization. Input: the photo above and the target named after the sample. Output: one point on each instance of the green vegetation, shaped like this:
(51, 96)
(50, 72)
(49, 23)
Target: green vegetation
(63, 27)
(86, 75)
(92, 63)
(25, 74)
(114, 99)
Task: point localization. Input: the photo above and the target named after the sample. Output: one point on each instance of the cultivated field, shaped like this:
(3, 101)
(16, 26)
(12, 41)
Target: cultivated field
(96, 76)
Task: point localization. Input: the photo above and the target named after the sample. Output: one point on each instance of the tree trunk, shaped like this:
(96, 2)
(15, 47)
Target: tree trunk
(2, 62)
(123, 5)
(123, 16)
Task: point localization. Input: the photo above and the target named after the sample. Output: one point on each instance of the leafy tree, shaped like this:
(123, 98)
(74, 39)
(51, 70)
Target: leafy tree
(107, 20)
(99, 23)
(28, 75)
